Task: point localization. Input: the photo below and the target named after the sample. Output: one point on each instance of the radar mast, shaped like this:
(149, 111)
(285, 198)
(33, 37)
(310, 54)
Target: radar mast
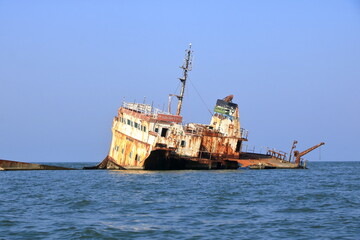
(187, 66)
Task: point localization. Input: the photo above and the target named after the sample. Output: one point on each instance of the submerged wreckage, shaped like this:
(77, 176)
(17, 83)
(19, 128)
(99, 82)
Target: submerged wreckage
(144, 137)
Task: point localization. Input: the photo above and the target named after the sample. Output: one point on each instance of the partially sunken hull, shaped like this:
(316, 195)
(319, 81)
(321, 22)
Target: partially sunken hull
(266, 161)
(161, 160)
(166, 160)
(144, 137)
(7, 165)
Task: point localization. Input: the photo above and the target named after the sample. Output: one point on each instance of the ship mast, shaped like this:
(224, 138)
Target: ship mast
(187, 66)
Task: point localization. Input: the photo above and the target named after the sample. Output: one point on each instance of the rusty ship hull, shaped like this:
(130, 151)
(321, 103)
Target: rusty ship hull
(147, 138)
(144, 139)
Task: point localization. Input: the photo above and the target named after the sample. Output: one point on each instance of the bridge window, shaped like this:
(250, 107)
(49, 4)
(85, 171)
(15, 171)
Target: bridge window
(183, 143)
(164, 132)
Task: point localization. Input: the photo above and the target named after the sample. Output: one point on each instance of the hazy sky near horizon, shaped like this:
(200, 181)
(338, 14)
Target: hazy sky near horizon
(66, 66)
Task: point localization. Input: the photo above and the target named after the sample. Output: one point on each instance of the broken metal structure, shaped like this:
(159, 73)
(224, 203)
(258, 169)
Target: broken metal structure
(7, 165)
(144, 137)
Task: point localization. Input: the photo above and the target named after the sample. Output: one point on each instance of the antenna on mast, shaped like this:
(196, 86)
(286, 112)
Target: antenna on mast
(187, 66)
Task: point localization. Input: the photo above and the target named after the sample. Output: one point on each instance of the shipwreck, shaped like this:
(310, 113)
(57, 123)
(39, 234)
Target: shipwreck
(147, 138)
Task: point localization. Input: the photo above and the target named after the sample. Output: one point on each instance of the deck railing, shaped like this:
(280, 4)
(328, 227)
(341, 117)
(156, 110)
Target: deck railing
(244, 133)
(143, 108)
(254, 149)
(277, 154)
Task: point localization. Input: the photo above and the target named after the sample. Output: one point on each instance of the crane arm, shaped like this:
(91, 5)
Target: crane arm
(298, 154)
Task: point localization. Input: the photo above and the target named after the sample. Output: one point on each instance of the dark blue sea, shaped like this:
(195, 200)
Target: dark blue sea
(322, 202)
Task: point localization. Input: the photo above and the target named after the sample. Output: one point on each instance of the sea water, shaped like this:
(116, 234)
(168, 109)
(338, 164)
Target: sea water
(322, 202)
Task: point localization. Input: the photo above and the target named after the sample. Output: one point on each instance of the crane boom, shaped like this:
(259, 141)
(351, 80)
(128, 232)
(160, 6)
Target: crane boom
(298, 154)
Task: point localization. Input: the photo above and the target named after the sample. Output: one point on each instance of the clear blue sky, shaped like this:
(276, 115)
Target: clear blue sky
(65, 67)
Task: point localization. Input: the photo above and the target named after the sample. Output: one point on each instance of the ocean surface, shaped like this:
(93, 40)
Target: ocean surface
(322, 202)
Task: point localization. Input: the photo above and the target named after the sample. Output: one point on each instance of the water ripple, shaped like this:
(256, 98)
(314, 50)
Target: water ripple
(320, 203)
